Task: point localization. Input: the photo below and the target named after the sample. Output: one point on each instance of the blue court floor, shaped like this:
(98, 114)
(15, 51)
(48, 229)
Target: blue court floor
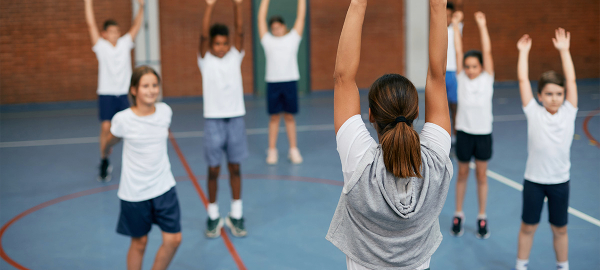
(55, 215)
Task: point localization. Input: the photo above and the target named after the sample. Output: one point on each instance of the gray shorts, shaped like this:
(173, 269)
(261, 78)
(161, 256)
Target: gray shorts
(225, 135)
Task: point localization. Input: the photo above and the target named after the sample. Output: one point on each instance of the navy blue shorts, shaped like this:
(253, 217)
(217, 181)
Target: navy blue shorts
(136, 218)
(451, 87)
(108, 106)
(558, 202)
(225, 135)
(282, 97)
(469, 146)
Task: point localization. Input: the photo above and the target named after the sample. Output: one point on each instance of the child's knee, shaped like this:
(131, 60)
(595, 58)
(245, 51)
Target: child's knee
(288, 117)
(139, 243)
(275, 118)
(173, 240)
(234, 169)
(559, 231)
(213, 172)
(528, 229)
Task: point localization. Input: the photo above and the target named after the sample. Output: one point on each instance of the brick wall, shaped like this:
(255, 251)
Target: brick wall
(45, 49)
(508, 20)
(382, 43)
(180, 26)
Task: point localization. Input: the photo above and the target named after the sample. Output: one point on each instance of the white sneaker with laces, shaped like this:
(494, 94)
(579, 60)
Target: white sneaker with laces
(272, 156)
(295, 156)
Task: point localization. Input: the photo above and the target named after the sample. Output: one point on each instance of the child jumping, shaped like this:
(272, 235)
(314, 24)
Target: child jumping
(114, 72)
(281, 51)
(394, 188)
(550, 130)
(224, 110)
(147, 187)
(473, 121)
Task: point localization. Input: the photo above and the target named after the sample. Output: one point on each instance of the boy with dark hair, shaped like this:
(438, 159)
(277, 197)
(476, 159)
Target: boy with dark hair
(114, 72)
(224, 110)
(550, 129)
(282, 75)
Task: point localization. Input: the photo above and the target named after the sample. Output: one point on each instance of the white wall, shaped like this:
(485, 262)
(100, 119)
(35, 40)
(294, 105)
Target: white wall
(147, 42)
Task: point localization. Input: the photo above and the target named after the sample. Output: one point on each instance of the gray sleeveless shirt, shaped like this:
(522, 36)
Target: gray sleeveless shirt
(384, 222)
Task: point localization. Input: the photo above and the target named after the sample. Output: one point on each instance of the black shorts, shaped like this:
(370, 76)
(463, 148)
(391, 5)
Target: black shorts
(469, 145)
(558, 202)
(282, 97)
(136, 218)
(108, 106)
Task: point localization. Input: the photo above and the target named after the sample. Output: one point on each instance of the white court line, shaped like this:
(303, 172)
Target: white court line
(519, 187)
(187, 134)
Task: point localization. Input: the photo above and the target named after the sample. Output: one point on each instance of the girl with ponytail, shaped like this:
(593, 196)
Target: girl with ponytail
(394, 189)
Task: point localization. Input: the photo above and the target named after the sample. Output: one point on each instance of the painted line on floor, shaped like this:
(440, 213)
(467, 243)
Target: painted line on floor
(236, 257)
(593, 141)
(513, 184)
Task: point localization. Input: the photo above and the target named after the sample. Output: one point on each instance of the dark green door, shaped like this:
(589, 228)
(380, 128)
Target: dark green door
(287, 9)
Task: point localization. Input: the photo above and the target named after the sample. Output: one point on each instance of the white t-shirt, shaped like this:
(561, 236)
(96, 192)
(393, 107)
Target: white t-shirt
(474, 113)
(353, 141)
(223, 91)
(451, 59)
(282, 56)
(549, 139)
(114, 65)
(146, 170)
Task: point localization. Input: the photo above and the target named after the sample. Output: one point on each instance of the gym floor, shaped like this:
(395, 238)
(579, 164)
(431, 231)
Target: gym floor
(55, 215)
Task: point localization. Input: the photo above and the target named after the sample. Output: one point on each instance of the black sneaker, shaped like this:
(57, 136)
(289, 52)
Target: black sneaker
(482, 231)
(105, 170)
(236, 226)
(213, 227)
(457, 226)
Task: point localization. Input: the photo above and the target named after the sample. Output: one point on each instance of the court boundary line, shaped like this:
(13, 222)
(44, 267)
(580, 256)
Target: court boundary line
(513, 184)
(585, 127)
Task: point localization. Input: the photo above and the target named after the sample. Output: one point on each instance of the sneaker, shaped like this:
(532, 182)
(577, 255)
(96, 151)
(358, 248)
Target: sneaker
(236, 226)
(272, 156)
(457, 226)
(295, 156)
(482, 231)
(105, 170)
(213, 227)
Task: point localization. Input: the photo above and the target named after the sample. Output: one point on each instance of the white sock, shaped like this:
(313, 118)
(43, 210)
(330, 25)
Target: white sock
(460, 214)
(482, 216)
(213, 211)
(562, 265)
(521, 264)
(236, 209)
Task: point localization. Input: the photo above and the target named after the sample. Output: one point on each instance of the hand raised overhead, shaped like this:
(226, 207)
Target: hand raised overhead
(457, 17)
(480, 18)
(562, 39)
(524, 43)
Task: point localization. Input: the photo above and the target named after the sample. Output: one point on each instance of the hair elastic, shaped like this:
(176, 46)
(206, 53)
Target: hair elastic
(400, 119)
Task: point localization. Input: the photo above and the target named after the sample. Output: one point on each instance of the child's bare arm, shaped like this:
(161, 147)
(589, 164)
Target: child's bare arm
(457, 18)
(486, 44)
(238, 25)
(91, 21)
(205, 34)
(300, 17)
(346, 99)
(436, 102)
(137, 22)
(524, 46)
(110, 141)
(562, 42)
(263, 28)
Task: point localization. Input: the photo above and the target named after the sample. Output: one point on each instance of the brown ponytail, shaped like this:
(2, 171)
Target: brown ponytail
(136, 76)
(394, 104)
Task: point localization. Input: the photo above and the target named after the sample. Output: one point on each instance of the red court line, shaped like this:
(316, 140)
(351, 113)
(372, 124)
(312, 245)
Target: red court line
(585, 127)
(224, 236)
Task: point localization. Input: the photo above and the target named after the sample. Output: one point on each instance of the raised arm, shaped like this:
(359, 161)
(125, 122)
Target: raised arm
(486, 44)
(436, 102)
(137, 22)
(205, 35)
(562, 42)
(457, 18)
(263, 28)
(524, 46)
(90, 19)
(346, 100)
(300, 17)
(238, 25)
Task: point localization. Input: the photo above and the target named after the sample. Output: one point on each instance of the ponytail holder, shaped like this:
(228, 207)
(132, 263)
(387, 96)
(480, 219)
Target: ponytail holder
(401, 119)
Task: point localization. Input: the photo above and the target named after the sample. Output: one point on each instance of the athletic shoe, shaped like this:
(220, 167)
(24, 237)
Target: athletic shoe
(272, 156)
(236, 226)
(457, 226)
(295, 156)
(105, 170)
(213, 227)
(482, 231)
